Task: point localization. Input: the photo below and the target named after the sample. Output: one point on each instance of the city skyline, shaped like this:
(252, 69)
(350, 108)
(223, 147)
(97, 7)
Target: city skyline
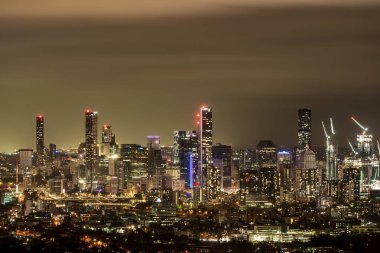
(317, 130)
(190, 126)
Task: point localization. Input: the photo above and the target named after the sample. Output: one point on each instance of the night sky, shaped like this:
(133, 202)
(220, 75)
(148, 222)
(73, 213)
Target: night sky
(147, 67)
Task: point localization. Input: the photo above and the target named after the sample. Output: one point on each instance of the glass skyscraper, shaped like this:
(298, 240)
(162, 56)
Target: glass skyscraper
(40, 148)
(91, 141)
(304, 127)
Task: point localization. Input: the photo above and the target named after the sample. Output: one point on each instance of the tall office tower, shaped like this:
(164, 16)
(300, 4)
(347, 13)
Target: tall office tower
(205, 147)
(266, 156)
(222, 158)
(304, 128)
(307, 176)
(242, 165)
(155, 164)
(107, 150)
(91, 141)
(40, 147)
(134, 160)
(284, 168)
(187, 154)
(25, 168)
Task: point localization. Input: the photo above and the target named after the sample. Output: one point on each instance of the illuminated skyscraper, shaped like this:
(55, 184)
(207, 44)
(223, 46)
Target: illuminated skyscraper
(266, 157)
(205, 142)
(304, 127)
(134, 160)
(307, 176)
(186, 144)
(91, 141)
(205, 148)
(222, 158)
(40, 148)
(178, 136)
(24, 168)
(242, 163)
(284, 167)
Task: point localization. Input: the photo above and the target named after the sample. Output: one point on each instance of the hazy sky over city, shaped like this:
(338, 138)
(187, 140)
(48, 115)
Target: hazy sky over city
(147, 66)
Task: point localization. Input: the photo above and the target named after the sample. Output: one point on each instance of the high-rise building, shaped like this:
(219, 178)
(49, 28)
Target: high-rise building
(186, 144)
(178, 135)
(350, 185)
(222, 154)
(40, 147)
(24, 168)
(307, 175)
(25, 158)
(107, 151)
(155, 163)
(134, 160)
(213, 181)
(284, 167)
(205, 147)
(242, 165)
(91, 141)
(267, 181)
(304, 127)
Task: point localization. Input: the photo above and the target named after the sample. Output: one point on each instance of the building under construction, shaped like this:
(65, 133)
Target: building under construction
(365, 160)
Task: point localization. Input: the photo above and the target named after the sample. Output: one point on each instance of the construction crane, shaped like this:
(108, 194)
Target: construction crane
(324, 129)
(352, 147)
(365, 129)
(332, 126)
